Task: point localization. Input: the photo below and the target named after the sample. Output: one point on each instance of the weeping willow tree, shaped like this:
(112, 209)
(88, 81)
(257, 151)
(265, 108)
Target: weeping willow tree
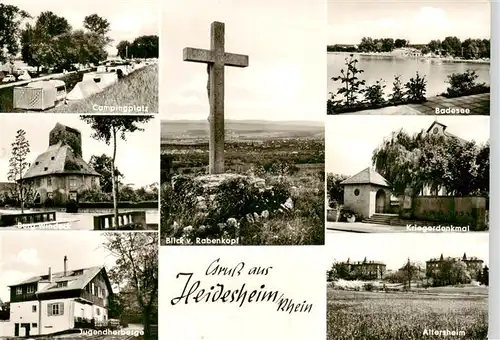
(412, 162)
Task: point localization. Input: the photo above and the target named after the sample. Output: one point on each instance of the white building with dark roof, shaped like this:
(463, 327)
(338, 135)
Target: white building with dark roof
(60, 301)
(60, 173)
(367, 193)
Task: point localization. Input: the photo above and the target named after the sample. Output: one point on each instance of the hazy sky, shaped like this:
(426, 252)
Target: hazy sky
(347, 136)
(40, 250)
(129, 18)
(137, 157)
(417, 21)
(394, 249)
(285, 41)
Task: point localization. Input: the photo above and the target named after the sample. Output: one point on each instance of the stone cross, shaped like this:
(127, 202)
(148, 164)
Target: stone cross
(216, 58)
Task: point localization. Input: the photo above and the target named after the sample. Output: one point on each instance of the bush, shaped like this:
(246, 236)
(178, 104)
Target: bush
(347, 213)
(368, 287)
(374, 94)
(238, 207)
(397, 94)
(415, 89)
(462, 84)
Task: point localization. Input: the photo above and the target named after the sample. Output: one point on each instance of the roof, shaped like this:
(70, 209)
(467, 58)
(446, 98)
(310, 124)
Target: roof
(75, 282)
(46, 83)
(55, 161)
(446, 133)
(367, 176)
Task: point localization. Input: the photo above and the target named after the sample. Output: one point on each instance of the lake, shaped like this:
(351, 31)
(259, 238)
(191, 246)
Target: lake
(384, 67)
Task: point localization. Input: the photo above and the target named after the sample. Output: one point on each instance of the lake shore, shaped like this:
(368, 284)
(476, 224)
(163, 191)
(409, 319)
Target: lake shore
(426, 58)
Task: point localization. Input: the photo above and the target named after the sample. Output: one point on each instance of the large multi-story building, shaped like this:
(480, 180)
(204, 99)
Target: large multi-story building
(57, 302)
(474, 265)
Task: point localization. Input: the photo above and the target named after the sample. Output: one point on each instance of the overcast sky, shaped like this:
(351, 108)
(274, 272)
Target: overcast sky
(394, 249)
(137, 157)
(350, 140)
(417, 21)
(129, 19)
(285, 41)
(40, 250)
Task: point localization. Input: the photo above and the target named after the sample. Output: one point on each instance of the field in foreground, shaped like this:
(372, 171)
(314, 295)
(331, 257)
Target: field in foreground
(288, 158)
(139, 89)
(373, 316)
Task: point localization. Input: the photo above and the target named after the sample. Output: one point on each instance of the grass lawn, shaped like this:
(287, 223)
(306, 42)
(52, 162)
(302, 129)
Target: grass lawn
(139, 89)
(355, 315)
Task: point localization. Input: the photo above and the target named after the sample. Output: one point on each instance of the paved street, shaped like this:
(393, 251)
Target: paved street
(478, 104)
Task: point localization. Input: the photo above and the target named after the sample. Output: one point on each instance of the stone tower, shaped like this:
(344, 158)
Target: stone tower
(68, 136)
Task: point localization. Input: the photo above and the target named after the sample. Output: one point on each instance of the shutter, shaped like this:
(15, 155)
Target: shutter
(49, 309)
(61, 309)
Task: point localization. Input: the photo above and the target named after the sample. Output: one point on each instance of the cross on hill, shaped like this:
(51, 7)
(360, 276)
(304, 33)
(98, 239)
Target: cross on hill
(216, 58)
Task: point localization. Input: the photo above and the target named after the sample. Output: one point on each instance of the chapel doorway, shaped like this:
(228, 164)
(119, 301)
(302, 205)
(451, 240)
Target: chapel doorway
(380, 202)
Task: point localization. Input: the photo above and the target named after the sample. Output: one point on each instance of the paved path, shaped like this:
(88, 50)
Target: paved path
(478, 104)
(359, 227)
(47, 77)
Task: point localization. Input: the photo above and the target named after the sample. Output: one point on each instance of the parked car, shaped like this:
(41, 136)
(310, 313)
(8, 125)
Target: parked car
(114, 324)
(9, 78)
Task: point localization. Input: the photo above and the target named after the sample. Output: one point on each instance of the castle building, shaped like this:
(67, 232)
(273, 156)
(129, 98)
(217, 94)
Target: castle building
(60, 301)
(362, 270)
(474, 265)
(60, 173)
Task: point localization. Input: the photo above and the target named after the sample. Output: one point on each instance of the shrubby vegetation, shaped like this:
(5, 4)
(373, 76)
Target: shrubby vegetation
(418, 160)
(464, 84)
(356, 95)
(273, 211)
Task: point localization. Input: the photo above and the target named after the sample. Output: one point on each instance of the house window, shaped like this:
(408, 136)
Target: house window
(356, 192)
(33, 308)
(34, 325)
(30, 289)
(92, 291)
(72, 182)
(55, 309)
(78, 272)
(62, 284)
(19, 291)
(98, 311)
(38, 182)
(49, 181)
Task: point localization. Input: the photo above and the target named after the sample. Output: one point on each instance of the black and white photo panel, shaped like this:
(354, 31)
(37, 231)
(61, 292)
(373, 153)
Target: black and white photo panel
(407, 174)
(242, 130)
(97, 285)
(79, 172)
(408, 57)
(407, 286)
(96, 57)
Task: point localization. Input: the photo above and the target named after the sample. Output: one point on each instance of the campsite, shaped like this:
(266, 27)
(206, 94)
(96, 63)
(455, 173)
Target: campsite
(59, 64)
